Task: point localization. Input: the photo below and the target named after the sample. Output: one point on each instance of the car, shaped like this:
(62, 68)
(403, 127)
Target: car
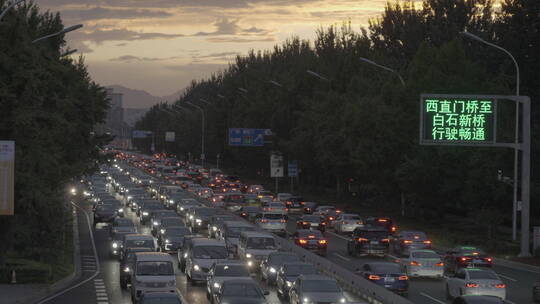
(315, 288)
(273, 262)
(264, 194)
(172, 238)
(330, 217)
(183, 206)
(406, 240)
(254, 189)
(309, 207)
(295, 204)
(172, 200)
(324, 209)
(474, 299)
(475, 281)
(126, 265)
(223, 271)
(198, 218)
(118, 238)
(389, 275)
(312, 240)
(182, 251)
(466, 256)
(153, 272)
(310, 221)
(249, 212)
(121, 224)
(274, 222)
(157, 216)
(347, 222)
(384, 222)
(368, 241)
(205, 193)
(233, 201)
(536, 291)
(276, 207)
(147, 209)
(288, 273)
(171, 221)
(201, 255)
(105, 214)
(423, 263)
(160, 298)
(254, 247)
(283, 197)
(215, 222)
(245, 291)
(230, 232)
(137, 241)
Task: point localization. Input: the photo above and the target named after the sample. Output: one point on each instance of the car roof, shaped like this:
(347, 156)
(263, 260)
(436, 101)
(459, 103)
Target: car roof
(139, 237)
(256, 234)
(155, 294)
(206, 242)
(241, 280)
(236, 224)
(318, 277)
(230, 262)
(153, 256)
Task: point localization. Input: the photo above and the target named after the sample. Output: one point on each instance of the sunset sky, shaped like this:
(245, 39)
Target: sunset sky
(161, 45)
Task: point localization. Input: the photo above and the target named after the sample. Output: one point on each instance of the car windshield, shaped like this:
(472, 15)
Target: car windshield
(386, 268)
(241, 290)
(161, 300)
(486, 275)
(210, 252)
(177, 231)
(139, 243)
(315, 234)
(311, 218)
(123, 222)
(320, 286)
(273, 216)
(234, 232)
(471, 250)
(206, 211)
(260, 243)
(277, 259)
(251, 209)
(172, 222)
(424, 255)
(374, 234)
(414, 235)
(296, 270)
(106, 208)
(231, 271)
(155, 268)
(351, 217)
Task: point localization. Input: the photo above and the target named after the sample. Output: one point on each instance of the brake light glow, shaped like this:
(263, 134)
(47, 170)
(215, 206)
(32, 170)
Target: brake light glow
(427, 242)
(403, 278)
(305, 223)
(362, 240)
(464, 259)
(264, 221)
(374, 277)
(282, 221)
(471, 285)
(500, 286)
(311, 236)
(331, 218)
(322, 242)
(415, 263)
(302, 241)
(440, 264)
(489, 260)
(394, 228)
(385, 240)
(382, 220)
(407, 242)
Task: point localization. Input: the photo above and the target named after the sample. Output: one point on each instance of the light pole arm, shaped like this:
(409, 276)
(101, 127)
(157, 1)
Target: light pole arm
(65, 30)
(384, 68)
(9, 7)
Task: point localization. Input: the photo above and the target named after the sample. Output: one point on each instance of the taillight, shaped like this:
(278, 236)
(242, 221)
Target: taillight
(463, 259)
(359, 223)
(471, 285)
(362, 240)
(286, 209)
(427, 242)
(323, 223)
(244, 214)
(415, 263)
(305, 223)
(264, 221)
(331, 218)
(407, 242)
(283, 221)
(374, 277)
(500, 286)
(311, 236)
(385, 240)
(323, 242)
(403, 278)
(394, 228)
(440, 264)
(302, 241)
(489, 260)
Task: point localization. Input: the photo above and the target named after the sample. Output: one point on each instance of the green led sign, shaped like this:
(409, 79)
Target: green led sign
(447, 119)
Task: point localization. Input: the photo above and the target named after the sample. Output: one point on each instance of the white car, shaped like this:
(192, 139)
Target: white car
(282, 197)
(475, 281)
(346, 223)
(423, 263)
(276, 207)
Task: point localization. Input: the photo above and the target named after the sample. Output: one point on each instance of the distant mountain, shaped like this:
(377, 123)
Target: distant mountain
(140, 99)
(132, 115)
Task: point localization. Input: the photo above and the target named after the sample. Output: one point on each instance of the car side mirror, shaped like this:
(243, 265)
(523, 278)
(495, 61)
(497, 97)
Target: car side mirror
(266, 292)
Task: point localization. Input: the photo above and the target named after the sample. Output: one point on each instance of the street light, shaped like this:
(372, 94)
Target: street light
(317, 75)
(384, 68)
(243, 90)
(9, 7)
(202, 131)
(516, 138)
(67, 53)
(205, 101)
(64, 31)
(277, 84)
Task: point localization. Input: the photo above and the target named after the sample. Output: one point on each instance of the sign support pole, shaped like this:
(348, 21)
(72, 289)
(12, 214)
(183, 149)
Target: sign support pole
(525, 179)
(277, 182)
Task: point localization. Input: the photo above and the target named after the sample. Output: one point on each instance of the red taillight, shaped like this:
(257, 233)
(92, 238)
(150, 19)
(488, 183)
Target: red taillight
(427, 242)
(464, 259)
(311, 236)
(374, 277)
(489, 260)
(264, 221)
(302, 241)
(382, 220)
(415, 263)
(362, 240)
(331, 218)
(283, 221)
(440, 264)
(244, 214)
(471, 285)
(338, 211)
(500, 286)
(407, 242)
(385, 240)
(305, 223)
(394, 228)
(286, 209)
(322, 242)
(403, 278)
(323, 223)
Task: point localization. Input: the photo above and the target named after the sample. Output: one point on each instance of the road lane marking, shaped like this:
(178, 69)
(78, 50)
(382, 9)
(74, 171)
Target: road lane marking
(342, 257)
(182, 299)
(432, 298)
(337, 235)
(508, 278)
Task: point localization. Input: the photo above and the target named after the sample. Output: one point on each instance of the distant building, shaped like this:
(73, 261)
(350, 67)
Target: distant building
(114, 123)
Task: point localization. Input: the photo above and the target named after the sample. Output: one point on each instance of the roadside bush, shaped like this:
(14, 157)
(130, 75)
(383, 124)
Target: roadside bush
(27, 271)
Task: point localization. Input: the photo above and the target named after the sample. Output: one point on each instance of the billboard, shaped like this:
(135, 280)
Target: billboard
(7, 177)
(276, 165)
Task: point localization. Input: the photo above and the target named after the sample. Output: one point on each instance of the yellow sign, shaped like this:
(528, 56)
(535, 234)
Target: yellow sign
(7, 177)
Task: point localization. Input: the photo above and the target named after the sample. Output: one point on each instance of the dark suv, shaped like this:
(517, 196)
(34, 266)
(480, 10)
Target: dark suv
(368, 240)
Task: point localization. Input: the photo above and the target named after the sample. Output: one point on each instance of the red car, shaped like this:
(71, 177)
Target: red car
(312, 240)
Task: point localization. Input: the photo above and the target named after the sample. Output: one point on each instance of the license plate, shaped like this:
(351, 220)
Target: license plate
(374, 242)
(389, 280)
(477, 261)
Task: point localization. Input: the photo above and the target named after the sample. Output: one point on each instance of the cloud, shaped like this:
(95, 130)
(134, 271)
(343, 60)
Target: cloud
(100, 36)
(239, 40)
(97, 13)
(225, 26)
(131, 58)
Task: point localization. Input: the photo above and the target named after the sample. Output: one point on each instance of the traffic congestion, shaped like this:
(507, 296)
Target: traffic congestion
(221, 236)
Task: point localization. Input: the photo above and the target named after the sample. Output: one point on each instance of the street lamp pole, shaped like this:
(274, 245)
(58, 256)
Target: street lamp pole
(516, 137)
(384, 68)
(64, 31)
(317, 75)
(9, 7)
(202, 131)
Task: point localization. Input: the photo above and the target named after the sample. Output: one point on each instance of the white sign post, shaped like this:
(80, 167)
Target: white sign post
(276, 168)
(7, 177)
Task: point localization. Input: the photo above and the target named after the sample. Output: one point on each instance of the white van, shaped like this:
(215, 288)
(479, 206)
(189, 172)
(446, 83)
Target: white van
(153, 271)
(254, 247)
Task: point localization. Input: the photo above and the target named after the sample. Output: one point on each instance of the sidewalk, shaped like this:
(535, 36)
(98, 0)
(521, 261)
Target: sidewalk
(23, 293)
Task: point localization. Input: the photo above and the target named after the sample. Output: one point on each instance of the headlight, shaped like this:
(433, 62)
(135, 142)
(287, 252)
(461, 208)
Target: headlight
(196, 267)
(127, 190)
(181, 208)
(306, 300)
(126, 269)
(191, 217)
(214, 228)
(114, 245)
(155, 223)
(250, 263)
(171, 201)
(248, 255)
(198, 220)
(162, 230)
(130, 197)
(272, 270)
(145, 213)
(216, 285)
(343, 300)
(167, 241)
(121, 210)
(73, 191)
(289, 284)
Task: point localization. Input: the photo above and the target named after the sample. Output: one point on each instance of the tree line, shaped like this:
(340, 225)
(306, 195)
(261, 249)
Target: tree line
(346, 118)
(49, 107)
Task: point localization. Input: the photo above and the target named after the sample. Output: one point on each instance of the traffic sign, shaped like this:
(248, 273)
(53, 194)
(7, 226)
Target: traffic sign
(141, 134)
(293, 168)
(276, 166)
(169, 136)
(247, 137)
